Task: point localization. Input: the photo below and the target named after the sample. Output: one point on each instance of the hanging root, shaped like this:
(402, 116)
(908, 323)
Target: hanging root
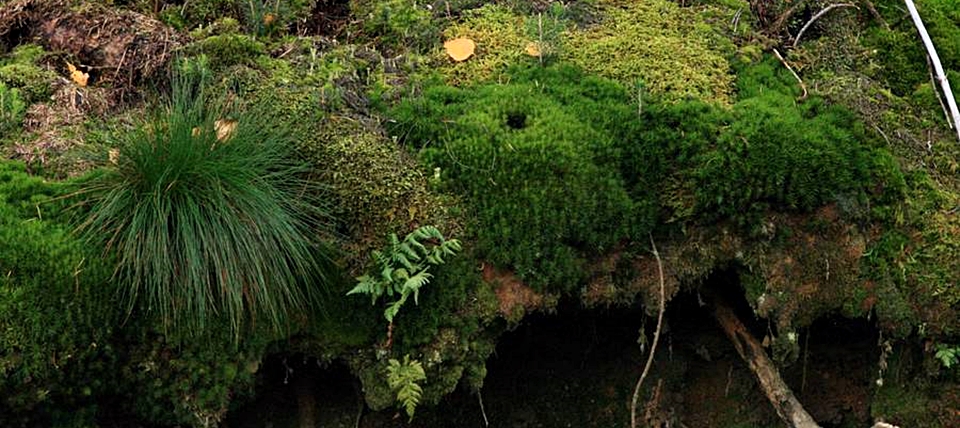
(656, 338)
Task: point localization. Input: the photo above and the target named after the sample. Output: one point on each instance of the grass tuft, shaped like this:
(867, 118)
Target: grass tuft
(209, 226)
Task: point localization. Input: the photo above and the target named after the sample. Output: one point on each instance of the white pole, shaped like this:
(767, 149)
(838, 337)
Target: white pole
(937, 67)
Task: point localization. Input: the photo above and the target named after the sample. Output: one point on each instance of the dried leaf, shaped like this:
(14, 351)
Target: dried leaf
(114, 156)
(225, 128)
(460, 49)
(533, 49)
(78, 77)
(196, 131)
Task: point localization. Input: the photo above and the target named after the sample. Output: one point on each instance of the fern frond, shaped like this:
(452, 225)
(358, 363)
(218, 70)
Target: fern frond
(403, 378)
(394, 308)
(403, 267)
(414, 283)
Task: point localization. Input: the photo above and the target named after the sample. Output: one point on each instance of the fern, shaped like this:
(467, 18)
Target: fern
(401, 269)
(403, 378)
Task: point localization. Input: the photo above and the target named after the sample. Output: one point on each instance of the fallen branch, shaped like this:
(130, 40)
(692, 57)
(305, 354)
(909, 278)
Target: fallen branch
(937, 67)
(776, 390)
(817, 16)
(795, 75)
(656, 338)
(876, 15)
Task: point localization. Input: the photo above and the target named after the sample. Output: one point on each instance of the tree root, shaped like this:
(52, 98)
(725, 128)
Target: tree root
(656, 338)
(776, 390)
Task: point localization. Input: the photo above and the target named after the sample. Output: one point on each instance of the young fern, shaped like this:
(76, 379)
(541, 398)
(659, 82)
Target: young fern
(401, 269)
(403, 378)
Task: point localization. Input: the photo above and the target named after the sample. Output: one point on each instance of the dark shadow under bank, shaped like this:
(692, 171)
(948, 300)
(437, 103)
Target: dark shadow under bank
(578, 367)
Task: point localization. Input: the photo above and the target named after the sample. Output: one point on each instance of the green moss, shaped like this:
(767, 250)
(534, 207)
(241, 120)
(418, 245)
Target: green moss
(53, 318)
(398, 24)
(12, 109)
(199, 13)
(540, 176)
(228, 50)
(501, 38)
(900, 51)
(670, 49)
(21, 70)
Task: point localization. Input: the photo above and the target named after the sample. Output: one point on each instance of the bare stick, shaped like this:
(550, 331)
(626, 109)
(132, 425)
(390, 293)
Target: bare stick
(937, 67)
(773, 386)
(486, 422)
(806, 353)
(817, 16)
(795, 75)
(876, 15)
(933, 84)
(656, 337)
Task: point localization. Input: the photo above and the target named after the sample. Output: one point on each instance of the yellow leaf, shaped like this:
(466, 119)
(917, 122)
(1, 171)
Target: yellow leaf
(78, 77)
(224, 128)
(460, 49)
(533, 49)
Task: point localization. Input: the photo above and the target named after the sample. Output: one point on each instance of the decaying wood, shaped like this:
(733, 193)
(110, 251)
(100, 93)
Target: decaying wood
(656, 338)
(937, 66)
(118, 48)
(752, 352)
(818, 16)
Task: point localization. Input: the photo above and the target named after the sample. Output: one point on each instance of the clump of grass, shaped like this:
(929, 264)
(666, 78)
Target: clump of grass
(206, 225)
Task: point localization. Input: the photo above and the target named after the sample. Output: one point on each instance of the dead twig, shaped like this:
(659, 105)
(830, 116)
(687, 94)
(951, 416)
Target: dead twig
(795, 75)
(486, 422)
(781, 21)
(817, 16)
(876, 15)
(656, 338)
(933, 84)
(937, 66)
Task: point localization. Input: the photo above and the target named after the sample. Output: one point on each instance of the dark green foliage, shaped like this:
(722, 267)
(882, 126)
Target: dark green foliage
(539, 175)
(54, 320)
(209, 226)
(172, 382)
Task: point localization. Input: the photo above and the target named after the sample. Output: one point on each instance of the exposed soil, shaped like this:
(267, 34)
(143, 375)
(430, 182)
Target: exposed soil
(328, 18)
(578, 368)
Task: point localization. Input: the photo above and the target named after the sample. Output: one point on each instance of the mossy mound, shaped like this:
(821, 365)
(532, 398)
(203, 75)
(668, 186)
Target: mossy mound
(523, 154)
(539, 176)
(669, 49)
